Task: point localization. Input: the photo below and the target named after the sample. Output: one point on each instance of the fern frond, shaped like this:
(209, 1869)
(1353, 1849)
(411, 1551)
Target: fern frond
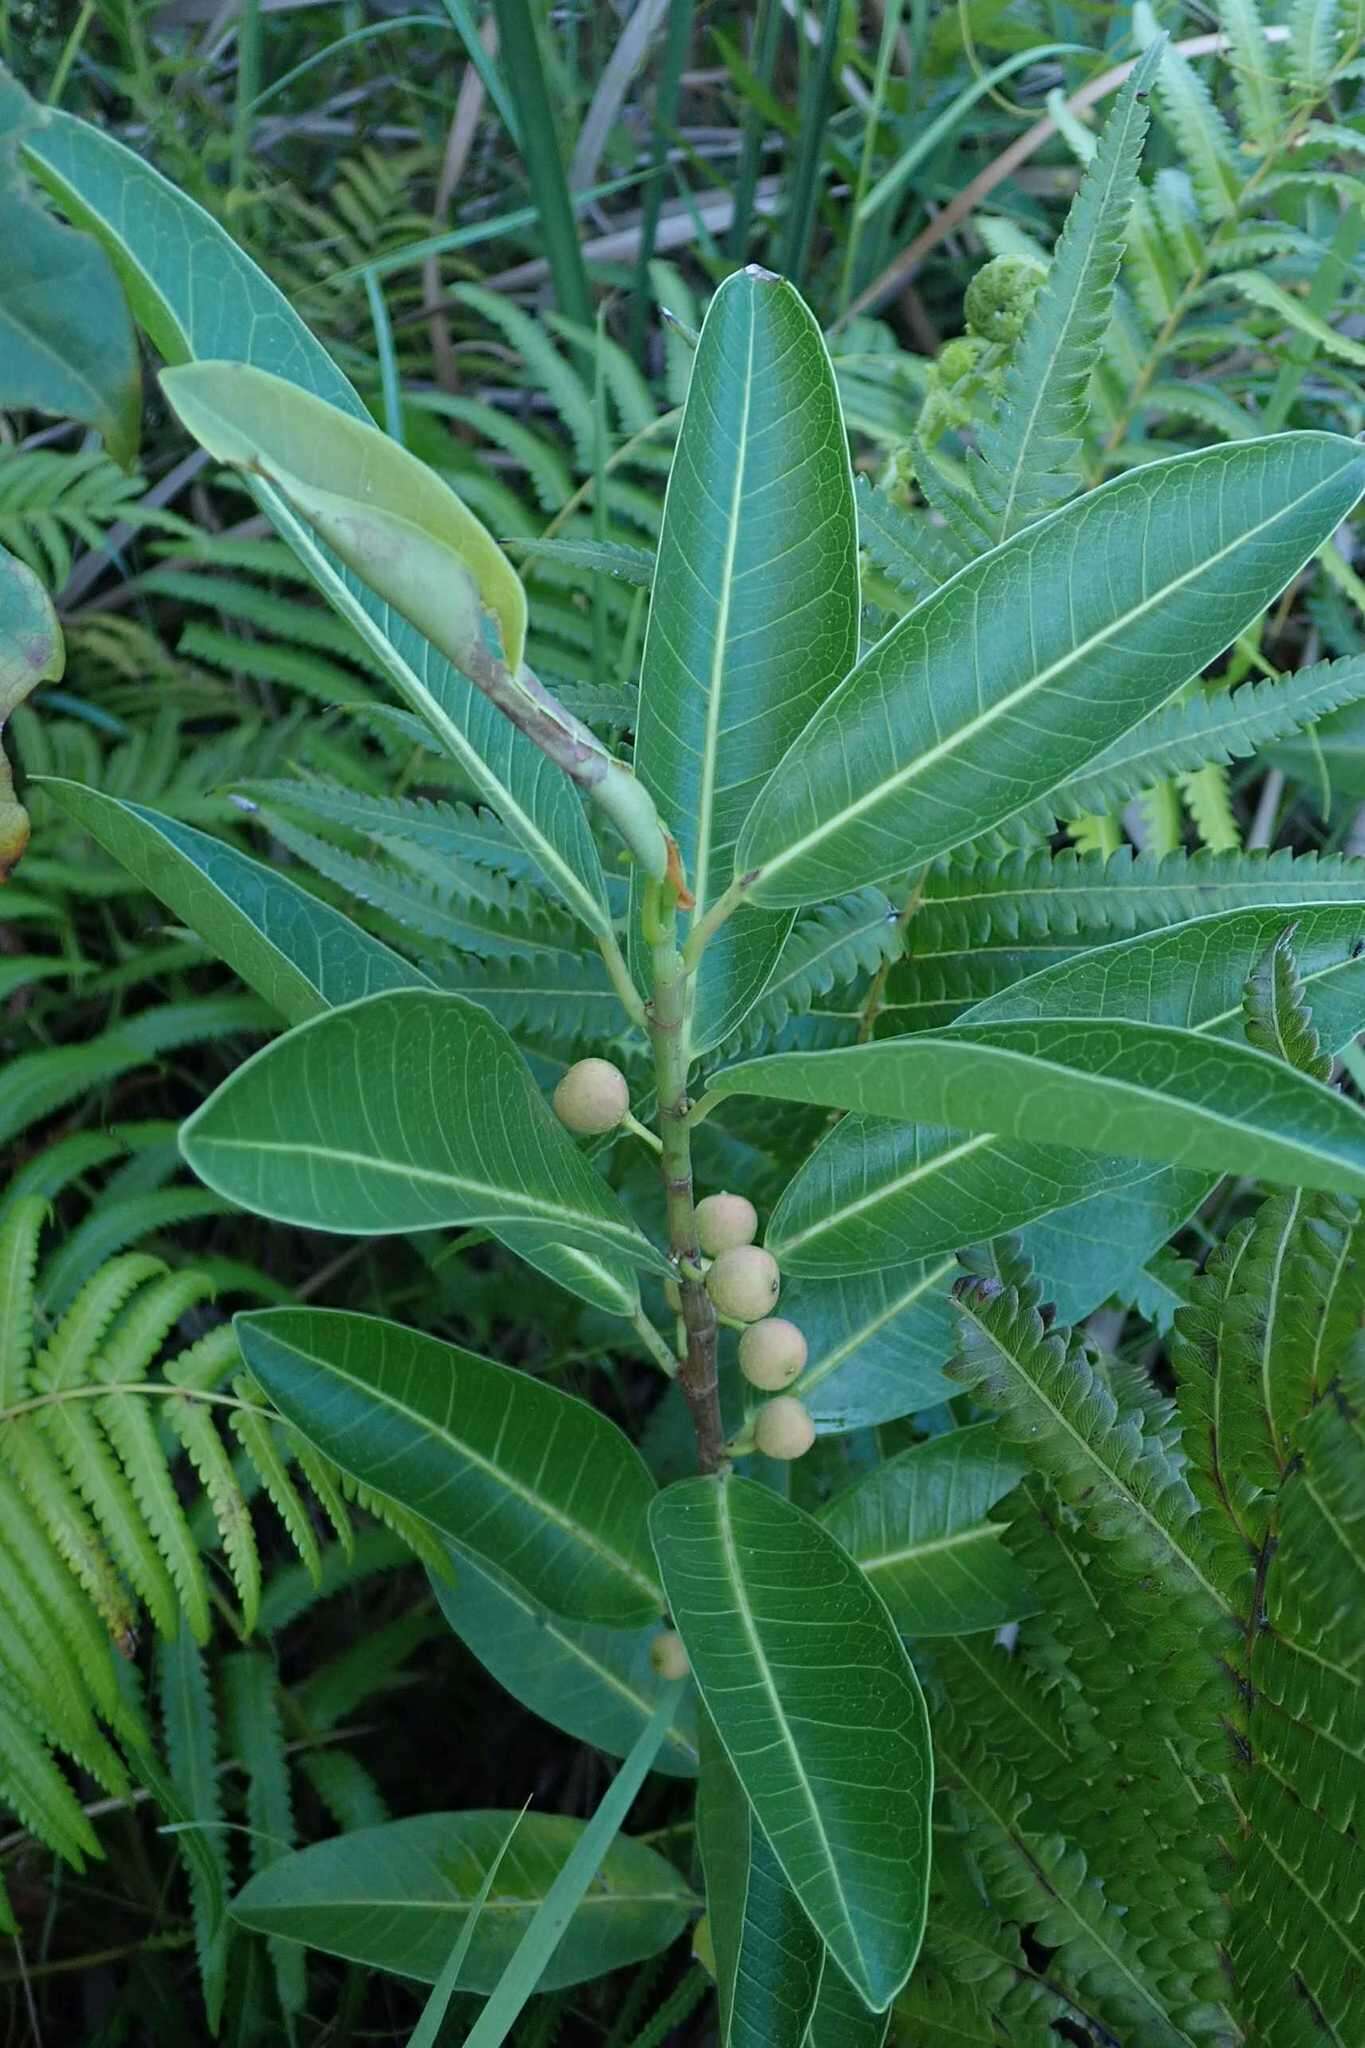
(190, 1726)
(1277, 1017)
(253, 1430)
(1314, 33)
(982, 924)
(1254, 81)
(1203, 137)
(493, 427)
(128, 1424)
(1294, 1941)
(255, 1735)
(33, 1785)
(98, 1477)
(553, 999)
(905, 545)
(1264, 293)
(193, 1425)
(546, 370)
(622, 559)
(1036, 1879)
(1030, 451)
(345, 1788)
(20, 1229)
(833, 945)
(1209, 803)
(36, 1083)
(1112, 1471)
(425, 906)
(73, 1619)
(1212, 725)
(64, 1360)
(445, 831)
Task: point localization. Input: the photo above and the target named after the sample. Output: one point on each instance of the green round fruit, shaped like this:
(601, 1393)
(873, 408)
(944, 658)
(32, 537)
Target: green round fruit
(724, 1221)
(591, 1098)
(784, 1428)
(744, 1283)
(772, 1353)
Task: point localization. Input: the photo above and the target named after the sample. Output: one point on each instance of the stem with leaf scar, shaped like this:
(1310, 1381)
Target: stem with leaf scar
(666, 1014)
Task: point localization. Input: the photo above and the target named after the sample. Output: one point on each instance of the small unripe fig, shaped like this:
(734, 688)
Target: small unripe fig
(744, 1283)
(771, 1353)
(784, 1428)
(592, 1097)
(667, 1655)
(724, 1221)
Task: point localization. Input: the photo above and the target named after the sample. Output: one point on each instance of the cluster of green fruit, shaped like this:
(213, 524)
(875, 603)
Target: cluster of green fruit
(741, 1278)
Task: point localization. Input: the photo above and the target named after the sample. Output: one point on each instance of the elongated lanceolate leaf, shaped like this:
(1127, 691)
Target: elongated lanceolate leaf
(840, 2019)
(67, 345)
(875, 1193)
(1148, 1091)
(755, 612)
(200, 297)
(387, 515)
(1031, 447)
(818, 1709)
(395, 1897)
(31, 652)
(303, 957)
(535, 1481)
(917, 1525)
(295, 951)
(769, 1958)
(406, 1111)
(595, 1682)
(1017, 673)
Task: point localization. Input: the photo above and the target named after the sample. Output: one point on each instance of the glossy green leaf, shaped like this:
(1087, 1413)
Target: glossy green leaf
(200, 297)
(303, 957)
(31, 652)
(841, 2020)
(536, 1482)
(875, 1194)
(295, 951)
(769, 1958)
(67, 345)
(877, 1342)
(792, 1650)
(406, 1111)
(596, 1683)
(1018, 672)
(755, 612)
(1146, 1091)
(388, 516)
(395, 1897)
(917, 1525)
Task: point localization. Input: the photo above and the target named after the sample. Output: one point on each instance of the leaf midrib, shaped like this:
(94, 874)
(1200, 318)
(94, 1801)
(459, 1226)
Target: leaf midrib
(957, 1539)
(830, 1363)
(833, 1218)
(515, 1203)
(576, 1531)
(725, 1530)
(984, 720)
(720, 646)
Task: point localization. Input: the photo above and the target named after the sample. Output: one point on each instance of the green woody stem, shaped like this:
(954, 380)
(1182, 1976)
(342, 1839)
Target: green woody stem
(667, 1015)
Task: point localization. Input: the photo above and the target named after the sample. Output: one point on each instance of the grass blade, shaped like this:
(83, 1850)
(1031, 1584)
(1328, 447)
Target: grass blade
(569, 1889)
(540, 153)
